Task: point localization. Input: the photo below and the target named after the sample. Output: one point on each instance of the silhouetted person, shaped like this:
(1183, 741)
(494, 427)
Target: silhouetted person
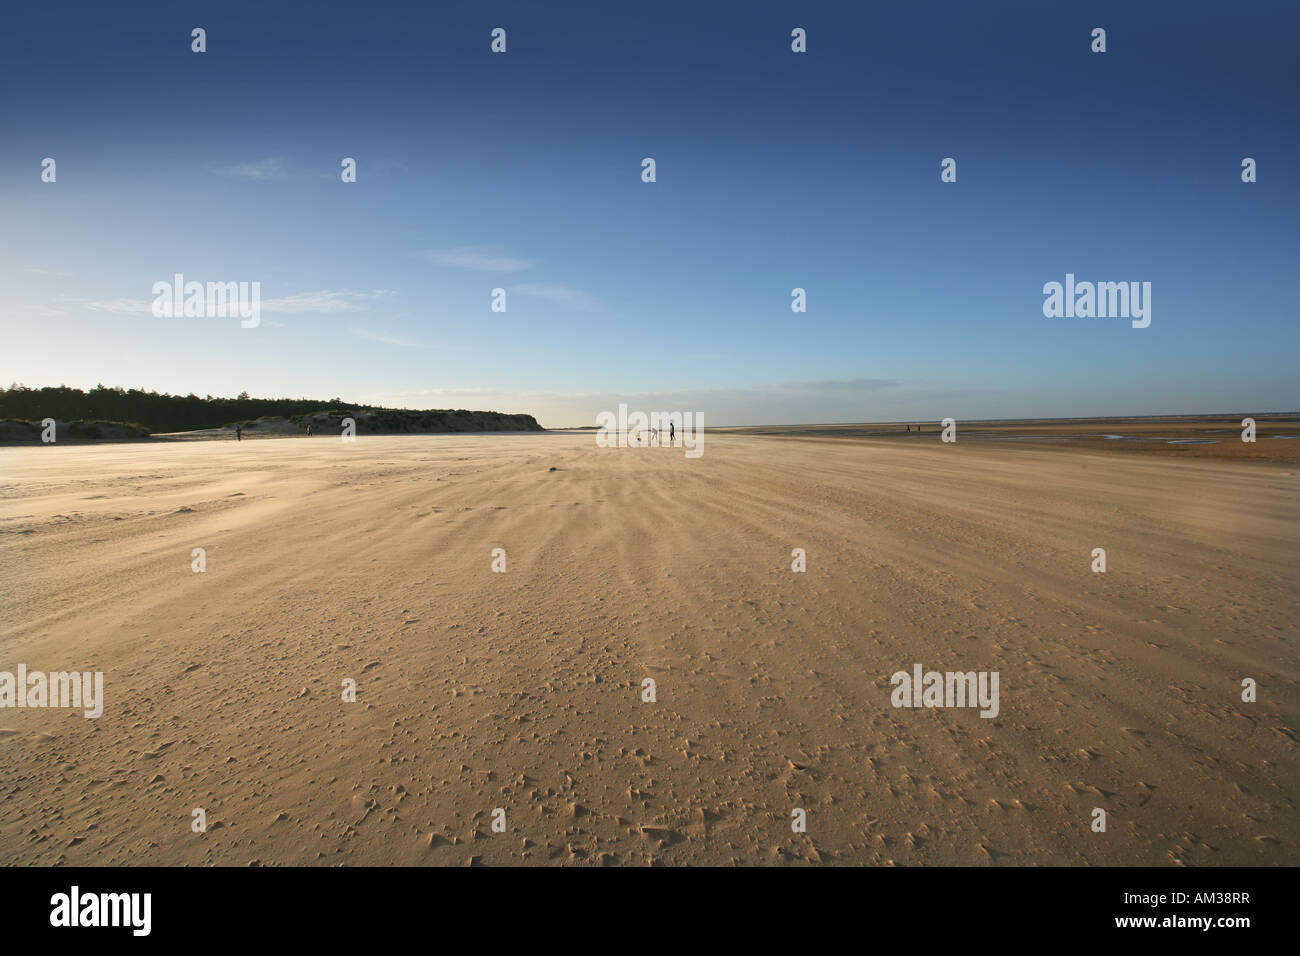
(239, 433)
(672, 432)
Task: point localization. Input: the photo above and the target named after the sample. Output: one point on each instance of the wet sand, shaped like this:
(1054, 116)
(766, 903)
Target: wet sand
(1277, 437)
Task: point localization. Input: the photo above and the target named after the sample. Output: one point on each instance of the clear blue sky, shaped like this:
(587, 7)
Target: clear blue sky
(775, 170)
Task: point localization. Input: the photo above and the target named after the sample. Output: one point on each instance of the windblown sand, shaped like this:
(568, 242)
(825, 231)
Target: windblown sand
(523, 690)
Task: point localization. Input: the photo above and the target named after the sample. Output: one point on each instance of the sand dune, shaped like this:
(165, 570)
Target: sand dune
(522, 690)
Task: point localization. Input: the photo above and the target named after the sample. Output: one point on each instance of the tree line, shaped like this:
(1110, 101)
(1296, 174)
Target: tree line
(156, 411)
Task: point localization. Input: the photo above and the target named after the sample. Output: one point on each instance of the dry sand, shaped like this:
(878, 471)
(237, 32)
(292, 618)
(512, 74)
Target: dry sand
(522, 690)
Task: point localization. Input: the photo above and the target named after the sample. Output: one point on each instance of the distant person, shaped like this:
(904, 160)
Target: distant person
(909, 428)
(654, 435)
(239, 433)
(672, 432)
(308, 431)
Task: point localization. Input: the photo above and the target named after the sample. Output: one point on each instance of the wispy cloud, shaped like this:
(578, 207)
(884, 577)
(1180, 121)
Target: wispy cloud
(559, 293)
(492, 259)
(386, 339)
(476, 258)
(115, 306)
(301, 303)
(264, 170)
(418, 395)
(326, 300)
(44, 311)
(827, 400)
(820, 387)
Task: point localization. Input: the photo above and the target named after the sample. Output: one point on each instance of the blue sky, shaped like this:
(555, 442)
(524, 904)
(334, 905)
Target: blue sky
(775, 170)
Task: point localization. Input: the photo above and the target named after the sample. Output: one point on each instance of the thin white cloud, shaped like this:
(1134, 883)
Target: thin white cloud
(264, 170)
(325, 300)
(476, 259)
(44, 311)
(373, 336)
(419, 394)
(301, 303)
(757, 403)
(115, 306)
(559, 293)
(823, 387)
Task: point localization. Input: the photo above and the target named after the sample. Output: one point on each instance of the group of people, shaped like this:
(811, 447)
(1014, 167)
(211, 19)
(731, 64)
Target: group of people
(654, 434)
(239, 432)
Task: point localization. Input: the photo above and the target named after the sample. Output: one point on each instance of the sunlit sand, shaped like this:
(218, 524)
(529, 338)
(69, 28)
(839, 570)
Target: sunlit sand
(523, 691)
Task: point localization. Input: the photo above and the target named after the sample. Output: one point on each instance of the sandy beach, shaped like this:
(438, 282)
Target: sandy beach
(523, 690)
